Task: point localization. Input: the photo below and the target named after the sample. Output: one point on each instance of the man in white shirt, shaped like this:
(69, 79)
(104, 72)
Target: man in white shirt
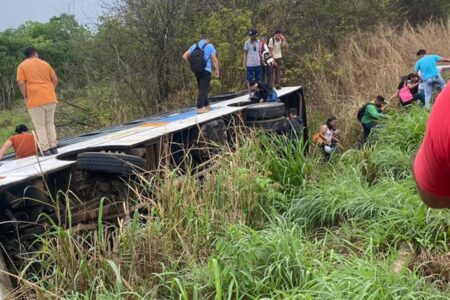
(276, 43)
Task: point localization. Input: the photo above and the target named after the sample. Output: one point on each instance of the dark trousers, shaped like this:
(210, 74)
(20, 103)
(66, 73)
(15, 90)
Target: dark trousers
(203, 84)
(367, 127)
(267, 75)
(277, 71)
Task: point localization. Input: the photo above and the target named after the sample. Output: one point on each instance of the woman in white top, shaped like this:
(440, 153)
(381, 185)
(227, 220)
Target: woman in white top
(328, 134)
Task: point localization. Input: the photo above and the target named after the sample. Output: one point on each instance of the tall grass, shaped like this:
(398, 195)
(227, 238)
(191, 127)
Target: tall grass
(369, 64)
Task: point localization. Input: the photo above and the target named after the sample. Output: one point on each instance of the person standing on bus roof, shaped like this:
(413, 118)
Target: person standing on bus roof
(252, 59)
(37, 82)
(202, 57)
(276, 44)
(23, 143)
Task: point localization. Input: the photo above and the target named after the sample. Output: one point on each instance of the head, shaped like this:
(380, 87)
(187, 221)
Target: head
(204, 36)
(331, 122)
(413, 77)
(263, 38)
(30, 52)
(379, 101)
(421, 53)
(254, 86)
(278, 34)
(253, 34)
(292, 113)
(21, 128)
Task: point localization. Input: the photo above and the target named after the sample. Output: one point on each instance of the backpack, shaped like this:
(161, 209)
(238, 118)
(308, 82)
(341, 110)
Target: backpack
(197, 59)
(362, 110)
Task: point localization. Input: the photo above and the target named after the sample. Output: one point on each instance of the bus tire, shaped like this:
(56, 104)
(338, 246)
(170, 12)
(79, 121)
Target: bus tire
(265, 111)
(110, 163)
(270, 124)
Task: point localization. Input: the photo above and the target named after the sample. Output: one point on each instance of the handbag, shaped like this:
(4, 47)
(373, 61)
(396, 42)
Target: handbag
(405, 94)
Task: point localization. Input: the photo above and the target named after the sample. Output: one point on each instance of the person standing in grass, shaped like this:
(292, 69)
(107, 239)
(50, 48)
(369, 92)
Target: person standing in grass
(22, 142)
(37, 82)
(276, 44)
(432, 162)
(369, 115)
(327, 137)
(429, 73)
(202, 57)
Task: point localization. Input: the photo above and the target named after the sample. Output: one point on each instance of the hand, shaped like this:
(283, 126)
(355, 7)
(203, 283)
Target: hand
(217, 73)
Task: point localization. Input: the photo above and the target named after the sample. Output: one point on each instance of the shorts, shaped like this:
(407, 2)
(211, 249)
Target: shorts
(253, 74)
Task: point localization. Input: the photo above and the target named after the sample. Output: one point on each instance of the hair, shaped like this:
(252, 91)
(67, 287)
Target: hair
(204, 36)
(29, 52)
(278, 31)
(292, 111)
(379, 98)
(412, 75)
(329, 120)
(421, 52)
(21, 128)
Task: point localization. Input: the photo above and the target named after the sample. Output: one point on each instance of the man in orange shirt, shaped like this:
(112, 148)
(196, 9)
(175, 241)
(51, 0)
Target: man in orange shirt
(37, 82)
(22, 142)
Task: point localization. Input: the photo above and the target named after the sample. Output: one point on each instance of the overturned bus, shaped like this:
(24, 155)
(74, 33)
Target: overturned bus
(93, 165)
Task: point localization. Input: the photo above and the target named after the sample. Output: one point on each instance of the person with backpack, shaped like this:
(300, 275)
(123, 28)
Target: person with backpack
(369, 115)
(326, 138)
(202, 56)
(276, 44)
(408, 90)
(267, 63)
(431, 77)
(252, 58)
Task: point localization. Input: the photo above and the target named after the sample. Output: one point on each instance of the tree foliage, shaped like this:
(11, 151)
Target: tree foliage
(131, 64)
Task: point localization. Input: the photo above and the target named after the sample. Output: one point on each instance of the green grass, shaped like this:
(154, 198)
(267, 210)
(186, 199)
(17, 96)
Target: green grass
(267, 222)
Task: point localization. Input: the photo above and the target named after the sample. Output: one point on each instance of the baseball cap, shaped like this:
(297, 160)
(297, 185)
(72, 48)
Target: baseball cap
(252, 32)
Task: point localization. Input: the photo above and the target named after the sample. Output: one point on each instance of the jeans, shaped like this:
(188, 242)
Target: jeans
(43, 118)
(203, 84)
(253, 74)
(367, 127)
(428, 88)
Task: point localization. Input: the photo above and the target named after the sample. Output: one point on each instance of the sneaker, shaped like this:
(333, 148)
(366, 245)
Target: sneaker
(207, 108)
(278, 87)
(45, 153)
(53, 150)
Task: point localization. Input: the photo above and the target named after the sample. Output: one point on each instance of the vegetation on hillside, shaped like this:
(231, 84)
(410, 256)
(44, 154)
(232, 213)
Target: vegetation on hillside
(265, 222)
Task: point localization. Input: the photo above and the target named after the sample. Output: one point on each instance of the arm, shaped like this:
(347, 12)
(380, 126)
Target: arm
(372, 111)
(285, 43)
(186, 55)
(215, 62)
(245, 59)
(22, 88)
(412, 85)
(444, 59)
(55, 80)
(4, 148)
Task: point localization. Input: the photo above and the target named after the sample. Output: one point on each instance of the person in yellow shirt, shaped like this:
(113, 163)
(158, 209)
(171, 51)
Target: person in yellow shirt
(37, 82)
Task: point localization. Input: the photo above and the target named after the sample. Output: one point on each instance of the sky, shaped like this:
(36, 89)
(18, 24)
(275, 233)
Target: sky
(16, 12)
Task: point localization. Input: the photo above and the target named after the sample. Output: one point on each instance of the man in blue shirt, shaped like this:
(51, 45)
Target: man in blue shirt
(429, 73)
(252, 58)
(204, 77)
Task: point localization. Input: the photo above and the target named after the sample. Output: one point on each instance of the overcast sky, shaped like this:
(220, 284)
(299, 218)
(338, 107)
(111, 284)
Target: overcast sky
(16, 12)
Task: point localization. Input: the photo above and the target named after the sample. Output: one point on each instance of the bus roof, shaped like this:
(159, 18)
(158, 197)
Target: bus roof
(144, 130)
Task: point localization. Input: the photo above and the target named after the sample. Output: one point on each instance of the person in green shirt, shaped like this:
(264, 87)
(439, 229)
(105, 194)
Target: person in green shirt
(373, 112)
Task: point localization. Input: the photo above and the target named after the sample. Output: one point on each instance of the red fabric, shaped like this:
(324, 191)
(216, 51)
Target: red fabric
(23, 144)
(432, 164)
